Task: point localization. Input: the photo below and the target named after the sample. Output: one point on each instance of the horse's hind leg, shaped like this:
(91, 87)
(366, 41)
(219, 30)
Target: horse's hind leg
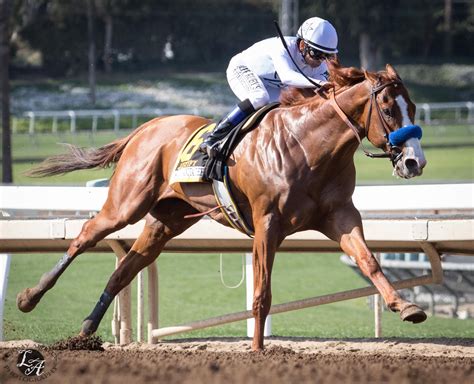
(346, 227)
(145, 250)
(111, 218)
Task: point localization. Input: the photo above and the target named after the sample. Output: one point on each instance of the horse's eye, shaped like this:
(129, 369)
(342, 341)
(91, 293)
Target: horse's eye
(386, 111)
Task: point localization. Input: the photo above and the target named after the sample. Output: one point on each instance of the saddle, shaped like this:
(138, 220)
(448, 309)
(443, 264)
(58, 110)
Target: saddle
(215, 167)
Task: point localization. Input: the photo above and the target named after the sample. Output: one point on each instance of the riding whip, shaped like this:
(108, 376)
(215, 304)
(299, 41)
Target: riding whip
(280, 34)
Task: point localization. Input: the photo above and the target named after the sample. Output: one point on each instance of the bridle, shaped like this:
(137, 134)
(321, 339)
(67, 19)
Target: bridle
(394, 153)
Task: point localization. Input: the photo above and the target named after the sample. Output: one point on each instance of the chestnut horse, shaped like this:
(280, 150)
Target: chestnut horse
(294, 172)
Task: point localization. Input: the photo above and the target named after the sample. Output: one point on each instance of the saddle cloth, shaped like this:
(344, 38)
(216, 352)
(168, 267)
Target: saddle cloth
(189, 167)
(192, 166)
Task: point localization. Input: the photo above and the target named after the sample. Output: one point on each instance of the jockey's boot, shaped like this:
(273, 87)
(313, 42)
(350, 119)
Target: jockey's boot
(237, 115)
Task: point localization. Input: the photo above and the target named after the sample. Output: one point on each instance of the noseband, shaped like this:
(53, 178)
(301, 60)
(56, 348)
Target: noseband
(393, 139)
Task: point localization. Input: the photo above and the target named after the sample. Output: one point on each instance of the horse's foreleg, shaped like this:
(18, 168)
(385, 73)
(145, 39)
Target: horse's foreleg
(93, 231)
(345, 226)
(144, 251)
(267, 239)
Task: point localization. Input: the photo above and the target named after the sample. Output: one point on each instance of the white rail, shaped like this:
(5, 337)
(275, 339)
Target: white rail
(380, 198)
(459, 112)
(94, 115)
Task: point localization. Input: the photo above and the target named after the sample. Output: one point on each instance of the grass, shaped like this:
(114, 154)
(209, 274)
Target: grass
(190, 289)
(449, 163)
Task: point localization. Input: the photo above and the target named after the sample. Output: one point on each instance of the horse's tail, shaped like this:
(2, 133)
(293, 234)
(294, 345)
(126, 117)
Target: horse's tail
(83, 158)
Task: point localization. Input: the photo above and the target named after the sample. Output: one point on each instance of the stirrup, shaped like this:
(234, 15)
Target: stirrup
(209, 149)
(203, 147)
(212, 150)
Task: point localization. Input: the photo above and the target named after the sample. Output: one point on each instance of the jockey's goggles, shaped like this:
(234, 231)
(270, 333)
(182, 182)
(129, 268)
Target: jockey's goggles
(316, 54)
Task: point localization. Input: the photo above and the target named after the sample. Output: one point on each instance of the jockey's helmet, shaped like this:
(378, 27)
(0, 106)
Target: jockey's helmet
(319, 34)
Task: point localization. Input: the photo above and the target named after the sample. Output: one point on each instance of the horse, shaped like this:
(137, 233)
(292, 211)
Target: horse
(294, 172)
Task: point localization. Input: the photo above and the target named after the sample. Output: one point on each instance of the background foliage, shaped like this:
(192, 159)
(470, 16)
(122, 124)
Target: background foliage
(51, 35)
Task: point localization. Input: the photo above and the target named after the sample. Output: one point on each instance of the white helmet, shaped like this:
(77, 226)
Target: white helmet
(320, 34)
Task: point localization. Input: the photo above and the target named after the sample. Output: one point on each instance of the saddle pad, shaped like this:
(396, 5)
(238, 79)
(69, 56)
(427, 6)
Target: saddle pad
(190, 164)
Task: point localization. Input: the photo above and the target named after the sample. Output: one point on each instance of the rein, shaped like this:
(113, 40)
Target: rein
(394, 153)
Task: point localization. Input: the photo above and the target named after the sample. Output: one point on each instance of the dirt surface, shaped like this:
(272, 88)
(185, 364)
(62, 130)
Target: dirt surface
(232, 361)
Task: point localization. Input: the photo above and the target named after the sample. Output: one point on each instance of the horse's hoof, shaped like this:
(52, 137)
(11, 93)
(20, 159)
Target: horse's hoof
(82, 335)
(24, 301)
(413, 313)
(257, 347)
(87, 328)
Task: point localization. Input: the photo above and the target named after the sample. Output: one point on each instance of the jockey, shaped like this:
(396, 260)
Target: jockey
(258, 74)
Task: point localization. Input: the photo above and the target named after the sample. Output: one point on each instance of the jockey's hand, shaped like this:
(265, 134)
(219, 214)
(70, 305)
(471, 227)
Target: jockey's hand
(324, 90)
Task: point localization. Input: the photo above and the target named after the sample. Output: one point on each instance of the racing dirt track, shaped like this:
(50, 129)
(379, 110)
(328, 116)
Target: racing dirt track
(231, 361)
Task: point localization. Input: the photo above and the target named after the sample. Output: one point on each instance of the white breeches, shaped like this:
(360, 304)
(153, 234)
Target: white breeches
(247, 85)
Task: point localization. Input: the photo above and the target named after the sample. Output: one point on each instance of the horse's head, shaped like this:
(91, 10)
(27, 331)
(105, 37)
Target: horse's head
(390, 123)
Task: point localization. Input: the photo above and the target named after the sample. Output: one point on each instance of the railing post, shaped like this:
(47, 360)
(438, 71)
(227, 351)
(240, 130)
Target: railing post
(72, 116)
(55, 124)
(31, 128)
(153, 305)
(378, 306)
(427, 112)
(4, 271)
(94, 123)
(116, 114)
(457, 113)
(125, 310)
(140, 307)
(470, 112)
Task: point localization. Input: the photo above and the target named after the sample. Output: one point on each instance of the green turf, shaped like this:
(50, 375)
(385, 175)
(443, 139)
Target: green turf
(190, 289)
(452, 163)
(449, 164)
(443, 165)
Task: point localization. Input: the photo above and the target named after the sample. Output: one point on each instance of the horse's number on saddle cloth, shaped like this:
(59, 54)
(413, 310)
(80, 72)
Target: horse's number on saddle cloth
(190, 164)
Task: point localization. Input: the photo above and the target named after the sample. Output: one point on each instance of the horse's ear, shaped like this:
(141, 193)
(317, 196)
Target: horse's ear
(371, 76)
(391, 72)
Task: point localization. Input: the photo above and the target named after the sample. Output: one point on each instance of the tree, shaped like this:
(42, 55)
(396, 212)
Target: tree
(398, 29)
(91, 55)
(107, 56)
(7, 174)
(106, 11)
(448, 21)
(289, 16)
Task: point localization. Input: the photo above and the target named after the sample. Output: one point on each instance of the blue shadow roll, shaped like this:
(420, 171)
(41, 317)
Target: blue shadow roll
(401, 135)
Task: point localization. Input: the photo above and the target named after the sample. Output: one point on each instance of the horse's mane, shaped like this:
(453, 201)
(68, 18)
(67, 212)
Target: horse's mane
(339, 77)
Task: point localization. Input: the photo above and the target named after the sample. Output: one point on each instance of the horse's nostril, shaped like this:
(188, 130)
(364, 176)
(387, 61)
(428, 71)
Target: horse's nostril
(411, 164)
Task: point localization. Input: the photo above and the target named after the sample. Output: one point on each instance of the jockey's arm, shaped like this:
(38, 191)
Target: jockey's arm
(288, 75)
